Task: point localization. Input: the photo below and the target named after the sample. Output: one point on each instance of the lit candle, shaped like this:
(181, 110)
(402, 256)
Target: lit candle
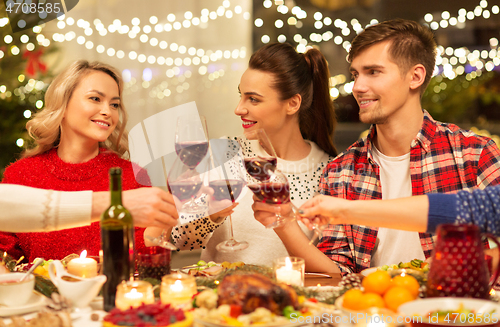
(83, 266)
(289, 272)
(177, 289)
(133, 294)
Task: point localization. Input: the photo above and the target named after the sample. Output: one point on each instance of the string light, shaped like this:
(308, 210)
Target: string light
(150, 34)
(449, 64)
(147, 29)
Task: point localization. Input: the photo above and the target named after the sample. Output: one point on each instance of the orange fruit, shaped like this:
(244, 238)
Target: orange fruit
(408, 282)
(397, 295)
(369, 300)
(377, 282)
(352, 299)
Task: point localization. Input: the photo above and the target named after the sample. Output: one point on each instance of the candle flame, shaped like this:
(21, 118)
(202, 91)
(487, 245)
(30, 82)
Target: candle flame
(492, 292)
(83, 255)
(288, 264)
(134, 294)
(177, 286)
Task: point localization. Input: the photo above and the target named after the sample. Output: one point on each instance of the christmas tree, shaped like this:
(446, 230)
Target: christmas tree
(24, 80)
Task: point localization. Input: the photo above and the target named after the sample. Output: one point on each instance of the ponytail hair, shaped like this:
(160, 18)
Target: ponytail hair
(305, 74)
(319, 121)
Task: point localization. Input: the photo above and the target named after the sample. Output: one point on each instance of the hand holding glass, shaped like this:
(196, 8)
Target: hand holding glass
(184, 181)
(264, 180)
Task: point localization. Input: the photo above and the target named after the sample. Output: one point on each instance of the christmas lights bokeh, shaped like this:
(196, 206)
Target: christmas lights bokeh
(183, 62)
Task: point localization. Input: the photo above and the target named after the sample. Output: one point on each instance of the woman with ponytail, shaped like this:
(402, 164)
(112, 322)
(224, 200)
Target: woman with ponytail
(287, 94)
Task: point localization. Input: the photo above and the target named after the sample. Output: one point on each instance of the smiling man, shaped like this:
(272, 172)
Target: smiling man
(406, 152)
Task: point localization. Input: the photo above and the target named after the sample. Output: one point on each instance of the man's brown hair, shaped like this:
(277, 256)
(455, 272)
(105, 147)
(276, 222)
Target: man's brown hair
(411, 44)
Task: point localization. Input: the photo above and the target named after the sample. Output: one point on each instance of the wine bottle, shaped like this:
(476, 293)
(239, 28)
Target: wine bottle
(117, 241)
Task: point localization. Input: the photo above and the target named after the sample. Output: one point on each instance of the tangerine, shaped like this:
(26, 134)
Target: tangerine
(369, 300)
(409, 282)
(397, 295)
(352, 299)
(377, 282)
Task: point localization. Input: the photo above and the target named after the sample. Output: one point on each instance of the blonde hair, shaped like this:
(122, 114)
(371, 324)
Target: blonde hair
(45, 126)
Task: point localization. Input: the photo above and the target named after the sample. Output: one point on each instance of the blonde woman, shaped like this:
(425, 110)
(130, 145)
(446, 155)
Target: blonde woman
(78, 137)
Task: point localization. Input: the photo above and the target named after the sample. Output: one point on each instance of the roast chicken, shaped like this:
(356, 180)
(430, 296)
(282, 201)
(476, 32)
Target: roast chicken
(253, 291)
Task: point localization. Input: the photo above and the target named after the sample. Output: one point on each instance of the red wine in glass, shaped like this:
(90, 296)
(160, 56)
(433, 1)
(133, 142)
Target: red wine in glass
(191, 152)
(227, 189)
(272, 193)
(184, 190)
(260, 168)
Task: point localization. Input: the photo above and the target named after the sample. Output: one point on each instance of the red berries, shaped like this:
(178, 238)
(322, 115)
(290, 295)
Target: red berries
(155, 314)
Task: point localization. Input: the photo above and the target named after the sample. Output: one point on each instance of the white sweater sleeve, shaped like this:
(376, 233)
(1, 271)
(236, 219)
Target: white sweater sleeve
(27, 209)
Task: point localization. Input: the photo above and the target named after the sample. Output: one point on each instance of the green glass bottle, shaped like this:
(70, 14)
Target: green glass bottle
(117, 241)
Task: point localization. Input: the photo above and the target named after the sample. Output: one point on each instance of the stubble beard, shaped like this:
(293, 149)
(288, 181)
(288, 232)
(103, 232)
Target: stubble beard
(374, 117)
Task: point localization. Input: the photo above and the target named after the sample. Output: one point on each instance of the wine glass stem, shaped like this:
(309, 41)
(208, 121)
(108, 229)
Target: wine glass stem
(163, 235)
(231, 235)
(314, 238)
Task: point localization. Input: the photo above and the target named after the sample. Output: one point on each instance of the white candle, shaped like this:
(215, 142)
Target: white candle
(133, 294)
(130, 299)
(289, 272)
(177, 289)
(288, 276)
(83, 266)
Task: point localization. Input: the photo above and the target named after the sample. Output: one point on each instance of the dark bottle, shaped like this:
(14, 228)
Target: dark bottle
(117, 241)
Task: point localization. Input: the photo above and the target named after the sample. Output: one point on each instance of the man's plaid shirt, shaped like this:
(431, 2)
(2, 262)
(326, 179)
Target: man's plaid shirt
(443, 158)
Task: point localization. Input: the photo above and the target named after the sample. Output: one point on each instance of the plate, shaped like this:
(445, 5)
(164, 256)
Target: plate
(368, 271)
(186, 269)
(422, 308)
(365, 314)
(323, 288)
(207, 323)
(36, 302)
(418, 274)
(97, 303)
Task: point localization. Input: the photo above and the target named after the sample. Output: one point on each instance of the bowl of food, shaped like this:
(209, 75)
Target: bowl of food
(442, 311)
(415, 267)
(381, 292)
(155, 314)
(254, 300)
(13, 291)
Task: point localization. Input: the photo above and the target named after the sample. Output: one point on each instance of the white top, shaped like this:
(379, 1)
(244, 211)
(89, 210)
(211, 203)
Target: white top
(264, 245)
(27, 209)
(394, 246)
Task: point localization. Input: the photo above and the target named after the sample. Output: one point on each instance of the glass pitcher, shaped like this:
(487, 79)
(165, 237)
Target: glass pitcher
(458, 267)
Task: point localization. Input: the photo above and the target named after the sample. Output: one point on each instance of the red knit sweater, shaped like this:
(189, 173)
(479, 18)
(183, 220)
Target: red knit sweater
(48, 171)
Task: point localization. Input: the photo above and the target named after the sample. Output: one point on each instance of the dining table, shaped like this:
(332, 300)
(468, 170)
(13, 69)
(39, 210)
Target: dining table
(93, 315)
(321, 279)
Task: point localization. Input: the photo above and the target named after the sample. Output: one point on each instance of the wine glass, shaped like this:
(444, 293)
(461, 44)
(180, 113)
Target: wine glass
(265, 181)
(227, 181)
(191, 139)
(186, 185)
(275, 190)
(262, 159)
(184, 180)
(317, 232)
(191, 146)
